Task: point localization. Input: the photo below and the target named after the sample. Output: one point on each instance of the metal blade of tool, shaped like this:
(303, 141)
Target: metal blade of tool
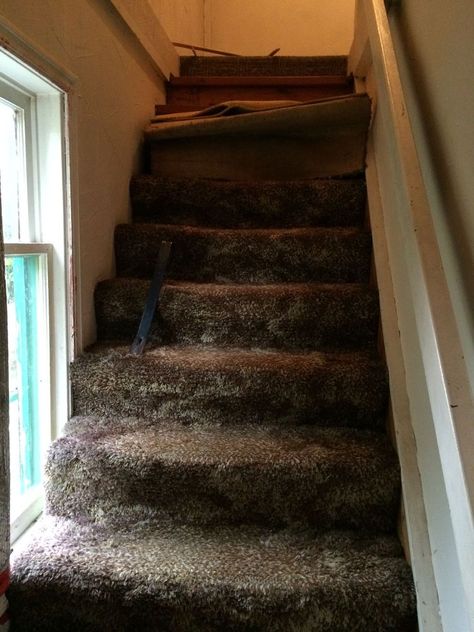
(152, 299)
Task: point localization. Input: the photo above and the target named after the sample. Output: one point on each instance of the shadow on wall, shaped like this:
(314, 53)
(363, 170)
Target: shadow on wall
(447, 184)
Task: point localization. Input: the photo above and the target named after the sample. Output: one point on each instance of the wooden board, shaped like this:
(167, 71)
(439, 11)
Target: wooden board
(196, 93)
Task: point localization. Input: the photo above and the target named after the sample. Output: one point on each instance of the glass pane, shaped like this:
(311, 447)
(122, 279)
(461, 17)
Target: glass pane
(25, 302)
(12, 173)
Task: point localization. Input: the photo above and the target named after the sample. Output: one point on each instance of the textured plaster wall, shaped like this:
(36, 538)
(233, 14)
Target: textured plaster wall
(113, 98)
(436, 55)
(183, 20)
(304, 27)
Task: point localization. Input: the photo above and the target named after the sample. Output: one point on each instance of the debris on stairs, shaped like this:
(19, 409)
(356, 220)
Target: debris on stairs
(237, 475)
(204, 81)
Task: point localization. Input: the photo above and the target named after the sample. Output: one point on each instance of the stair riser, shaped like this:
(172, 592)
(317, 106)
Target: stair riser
(352, 394)
(83, 611)
(330, 495)
(241, 316)
(233, 205)
(246, 257)
(278, 66)
(266, 157)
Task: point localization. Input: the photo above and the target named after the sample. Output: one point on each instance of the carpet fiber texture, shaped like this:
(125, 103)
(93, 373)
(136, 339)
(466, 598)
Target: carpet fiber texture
(175, 577)
(263, 66)
(280, 316)
(231, 386)
(263, 255)
(212, 475)
(236, 476)
(226, 204)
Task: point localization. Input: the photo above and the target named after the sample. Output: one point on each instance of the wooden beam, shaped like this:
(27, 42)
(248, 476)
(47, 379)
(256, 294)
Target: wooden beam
(145, 25)
(360, 57)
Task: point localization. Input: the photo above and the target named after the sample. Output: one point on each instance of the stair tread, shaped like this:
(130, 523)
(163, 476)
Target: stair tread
(219, 385)
(241, 289)
(203, 202)
(270, 579)
(196, 231)
(285, 315)
(255, 255)
(298, 448)
(208, 474)
(219, 357)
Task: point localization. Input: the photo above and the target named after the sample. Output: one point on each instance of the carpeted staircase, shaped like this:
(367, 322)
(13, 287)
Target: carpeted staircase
(237, 476)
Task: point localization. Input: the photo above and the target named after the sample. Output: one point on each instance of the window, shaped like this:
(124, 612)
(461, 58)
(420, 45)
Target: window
(28, 351)
(35, 227)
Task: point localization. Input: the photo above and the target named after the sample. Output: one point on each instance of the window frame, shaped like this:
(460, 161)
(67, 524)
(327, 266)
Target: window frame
(50, 231)
(34, 505)
(23, 100)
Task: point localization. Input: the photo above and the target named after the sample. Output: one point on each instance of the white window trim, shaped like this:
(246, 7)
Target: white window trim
(52, 104)
(20, 48)
(14, 96)
(33, 501)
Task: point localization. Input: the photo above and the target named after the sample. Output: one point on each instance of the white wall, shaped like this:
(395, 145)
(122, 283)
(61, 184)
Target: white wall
(112, 100)
(256, 27)
(434, 49)
(183, 20)
(301, 27)
(435, 55)
(429, 262)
